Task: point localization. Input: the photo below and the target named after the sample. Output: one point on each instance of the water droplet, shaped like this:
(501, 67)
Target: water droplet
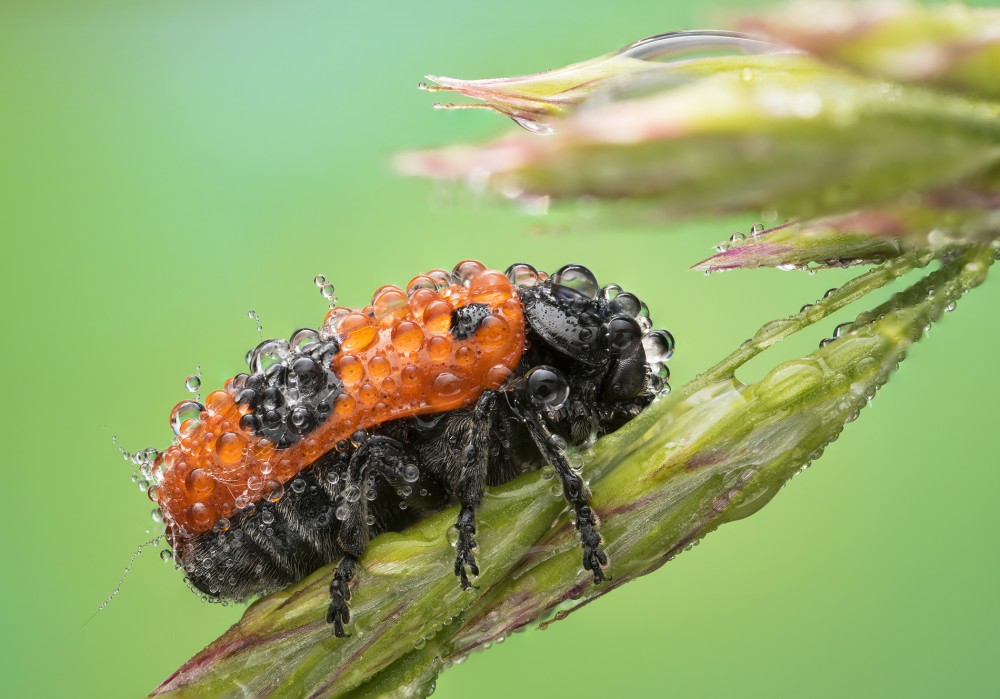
(319, 280)
(267, 516)
(166, 555)
(522, 274)
(535, 127)
(411, 473)
(267, 354)
(352, 493)
(185, 416)
(328, 292)
(303, 338)
(546, 386)
(756, 230)
(842, 329)
(575, 279)
(658, 346)
(610, 291)
(192, 383)
(629, 304)
(252, 315)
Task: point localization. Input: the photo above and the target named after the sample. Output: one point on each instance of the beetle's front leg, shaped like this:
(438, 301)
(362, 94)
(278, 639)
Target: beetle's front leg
(575, 491)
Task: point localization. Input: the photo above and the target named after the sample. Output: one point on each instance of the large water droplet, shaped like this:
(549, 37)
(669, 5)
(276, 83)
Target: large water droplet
(267, 354)
(522, 274)
(539, 128)
(184, 415)
(658, 345)
(303, 339)
(547, 387)
(575, 279)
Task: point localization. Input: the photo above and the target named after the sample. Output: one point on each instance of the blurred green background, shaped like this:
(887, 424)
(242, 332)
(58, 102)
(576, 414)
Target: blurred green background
(168, 165)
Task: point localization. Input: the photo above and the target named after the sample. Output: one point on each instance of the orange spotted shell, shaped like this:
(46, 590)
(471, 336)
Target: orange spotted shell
(398, 358)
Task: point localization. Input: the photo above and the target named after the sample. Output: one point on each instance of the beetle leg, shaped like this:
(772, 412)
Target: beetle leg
(338, 612)
(574, 490)
(468, 480)
(382, 455)
(466, 546)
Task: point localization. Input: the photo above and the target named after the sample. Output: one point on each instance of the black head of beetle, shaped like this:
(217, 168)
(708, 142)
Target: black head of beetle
(593, 360)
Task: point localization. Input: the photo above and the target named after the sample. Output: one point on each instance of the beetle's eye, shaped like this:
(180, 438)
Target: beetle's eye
(622, 332)
(546, 386)
(575, 279)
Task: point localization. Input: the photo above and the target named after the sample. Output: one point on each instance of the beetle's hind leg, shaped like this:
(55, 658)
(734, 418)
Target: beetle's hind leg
(338, 612)
(465, 560)
(575, 492)
(375, 455)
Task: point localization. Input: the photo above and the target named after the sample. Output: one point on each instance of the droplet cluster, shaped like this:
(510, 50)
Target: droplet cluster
(604, 317)
(435, 346)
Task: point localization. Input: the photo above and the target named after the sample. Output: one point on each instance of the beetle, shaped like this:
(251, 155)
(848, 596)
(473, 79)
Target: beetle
(388, 413)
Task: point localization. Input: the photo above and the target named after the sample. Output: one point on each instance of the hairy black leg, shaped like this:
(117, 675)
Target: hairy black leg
(468, 472)
(338, 613)
(574, 490)
(466, 526)
(377, 454)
